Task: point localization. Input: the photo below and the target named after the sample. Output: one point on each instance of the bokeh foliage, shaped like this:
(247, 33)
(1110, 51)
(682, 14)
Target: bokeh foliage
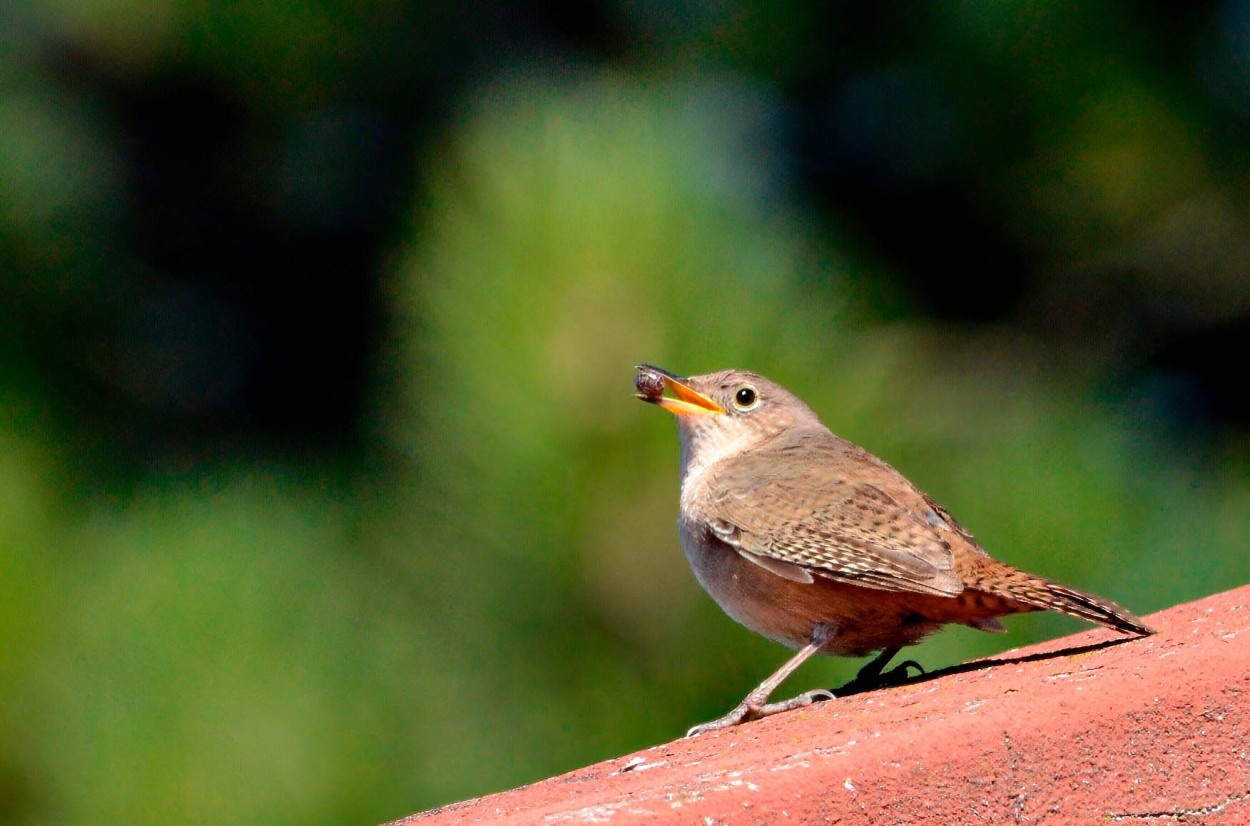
(323, 496)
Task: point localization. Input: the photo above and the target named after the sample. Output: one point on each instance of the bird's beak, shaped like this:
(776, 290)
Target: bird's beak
(653, 381)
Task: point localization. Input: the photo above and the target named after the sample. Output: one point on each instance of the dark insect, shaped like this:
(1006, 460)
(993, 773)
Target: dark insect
(650, 384)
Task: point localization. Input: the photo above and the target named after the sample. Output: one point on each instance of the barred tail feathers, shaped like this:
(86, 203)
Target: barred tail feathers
(1042, 594)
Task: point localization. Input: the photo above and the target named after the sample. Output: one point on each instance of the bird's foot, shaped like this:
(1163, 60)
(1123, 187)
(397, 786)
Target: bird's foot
(745, 711)
(867, 681)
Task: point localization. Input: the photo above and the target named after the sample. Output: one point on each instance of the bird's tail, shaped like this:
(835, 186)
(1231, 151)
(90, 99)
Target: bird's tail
(1042, 594)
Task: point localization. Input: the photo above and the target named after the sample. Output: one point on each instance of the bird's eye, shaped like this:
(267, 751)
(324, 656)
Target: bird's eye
(746, 398)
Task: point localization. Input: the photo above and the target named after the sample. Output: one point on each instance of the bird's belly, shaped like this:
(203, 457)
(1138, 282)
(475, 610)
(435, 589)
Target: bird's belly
(864, 619)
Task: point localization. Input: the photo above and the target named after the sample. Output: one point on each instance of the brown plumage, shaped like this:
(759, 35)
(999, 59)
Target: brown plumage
(813, 542)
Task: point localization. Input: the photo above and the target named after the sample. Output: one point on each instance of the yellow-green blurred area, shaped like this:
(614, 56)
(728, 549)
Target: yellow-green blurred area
(323, 493)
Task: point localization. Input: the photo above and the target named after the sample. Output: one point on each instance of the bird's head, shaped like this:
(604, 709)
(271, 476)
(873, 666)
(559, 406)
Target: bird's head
(723, 413)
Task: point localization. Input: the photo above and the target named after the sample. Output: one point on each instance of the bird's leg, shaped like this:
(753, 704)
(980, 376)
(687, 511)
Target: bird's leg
(755, 705)
(874, 675)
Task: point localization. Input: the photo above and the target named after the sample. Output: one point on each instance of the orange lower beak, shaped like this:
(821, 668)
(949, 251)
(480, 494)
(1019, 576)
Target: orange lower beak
(687, 402)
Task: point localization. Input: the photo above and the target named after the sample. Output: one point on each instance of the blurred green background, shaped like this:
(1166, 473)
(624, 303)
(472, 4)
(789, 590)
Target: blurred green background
(323, 493)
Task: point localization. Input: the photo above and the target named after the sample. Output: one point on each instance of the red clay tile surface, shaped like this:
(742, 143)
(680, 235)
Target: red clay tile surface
(1077, 730)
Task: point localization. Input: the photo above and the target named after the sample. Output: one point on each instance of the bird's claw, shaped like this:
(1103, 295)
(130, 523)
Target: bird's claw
(745, 712)
(898, 675)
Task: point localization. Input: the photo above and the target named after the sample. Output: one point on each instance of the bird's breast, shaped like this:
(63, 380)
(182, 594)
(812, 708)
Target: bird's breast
(865, 619)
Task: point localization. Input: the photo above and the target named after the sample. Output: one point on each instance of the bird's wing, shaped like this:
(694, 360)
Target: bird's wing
(827, 509)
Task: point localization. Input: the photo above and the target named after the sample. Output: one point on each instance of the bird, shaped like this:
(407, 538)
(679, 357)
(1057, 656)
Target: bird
(817, 544)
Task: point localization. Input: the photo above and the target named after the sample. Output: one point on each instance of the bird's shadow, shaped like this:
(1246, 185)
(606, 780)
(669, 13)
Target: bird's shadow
(897, 675)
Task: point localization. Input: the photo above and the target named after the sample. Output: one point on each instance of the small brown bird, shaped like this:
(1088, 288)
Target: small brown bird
(813, 542)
